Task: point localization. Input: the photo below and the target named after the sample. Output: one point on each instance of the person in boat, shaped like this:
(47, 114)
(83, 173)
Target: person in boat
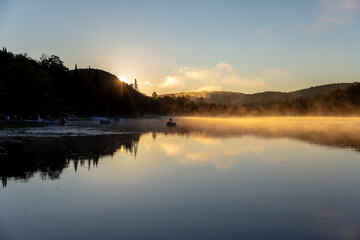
(170, 123)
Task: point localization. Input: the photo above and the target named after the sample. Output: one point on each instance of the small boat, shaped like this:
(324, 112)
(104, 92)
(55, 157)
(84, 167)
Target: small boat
(170, 123)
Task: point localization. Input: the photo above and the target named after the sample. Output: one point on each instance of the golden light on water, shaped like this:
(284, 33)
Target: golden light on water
(121, 149)
(333, 131)
(294, 123)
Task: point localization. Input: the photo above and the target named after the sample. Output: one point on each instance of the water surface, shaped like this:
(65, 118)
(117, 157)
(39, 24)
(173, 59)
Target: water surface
(262, 178)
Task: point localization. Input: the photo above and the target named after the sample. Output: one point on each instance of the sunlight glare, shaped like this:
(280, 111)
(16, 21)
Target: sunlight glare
(122, 78)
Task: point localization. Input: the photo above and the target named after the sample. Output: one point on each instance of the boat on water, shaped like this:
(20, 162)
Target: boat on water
(170, 123)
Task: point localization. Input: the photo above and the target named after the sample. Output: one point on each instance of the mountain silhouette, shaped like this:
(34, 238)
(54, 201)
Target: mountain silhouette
(239, 99)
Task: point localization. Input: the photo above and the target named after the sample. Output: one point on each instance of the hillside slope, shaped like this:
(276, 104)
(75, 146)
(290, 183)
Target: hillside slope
(45, 87)
(239, 99)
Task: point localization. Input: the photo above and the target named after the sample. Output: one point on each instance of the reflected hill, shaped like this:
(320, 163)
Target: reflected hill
(327, 131)
(21, 159)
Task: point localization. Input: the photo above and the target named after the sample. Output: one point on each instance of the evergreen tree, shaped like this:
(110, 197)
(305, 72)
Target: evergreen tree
(136, 87)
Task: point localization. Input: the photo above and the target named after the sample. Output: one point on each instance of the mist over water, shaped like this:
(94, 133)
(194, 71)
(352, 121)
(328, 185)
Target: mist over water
(206, 178)
(332, 131)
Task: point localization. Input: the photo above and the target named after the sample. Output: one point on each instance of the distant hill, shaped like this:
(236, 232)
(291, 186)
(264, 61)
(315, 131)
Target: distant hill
(31, 88)
(103, 93)
(46, 87)
(239, 99)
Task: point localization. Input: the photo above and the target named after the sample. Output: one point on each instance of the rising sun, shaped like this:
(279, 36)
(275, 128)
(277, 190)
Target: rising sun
(122, 78)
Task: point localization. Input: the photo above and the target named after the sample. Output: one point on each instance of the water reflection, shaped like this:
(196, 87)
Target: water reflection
(21, 159)
(333, 224)
(214, 141)
(220, 152)
(330, 131)
(200, 180)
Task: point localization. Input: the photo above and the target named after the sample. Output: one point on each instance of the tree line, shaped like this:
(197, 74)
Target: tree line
(46, 86)
(343, 102)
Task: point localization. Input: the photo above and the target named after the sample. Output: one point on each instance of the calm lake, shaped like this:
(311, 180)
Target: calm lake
(255, 178)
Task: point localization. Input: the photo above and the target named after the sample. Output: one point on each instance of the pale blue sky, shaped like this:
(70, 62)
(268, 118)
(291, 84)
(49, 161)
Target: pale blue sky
(171, 46)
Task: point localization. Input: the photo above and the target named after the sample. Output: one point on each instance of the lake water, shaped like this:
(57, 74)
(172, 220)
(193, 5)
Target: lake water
(260, 178)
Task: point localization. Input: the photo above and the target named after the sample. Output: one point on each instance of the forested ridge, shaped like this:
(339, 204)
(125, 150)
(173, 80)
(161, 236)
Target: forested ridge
(239, 99)
(46, 87)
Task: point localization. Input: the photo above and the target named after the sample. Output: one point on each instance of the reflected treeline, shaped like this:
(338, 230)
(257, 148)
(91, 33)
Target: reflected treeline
(50, 156)
(328, 131)
(23, 158)
(334, 132)
(338, 140)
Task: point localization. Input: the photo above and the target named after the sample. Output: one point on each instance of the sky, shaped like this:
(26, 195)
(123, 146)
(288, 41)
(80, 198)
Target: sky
(189, 45)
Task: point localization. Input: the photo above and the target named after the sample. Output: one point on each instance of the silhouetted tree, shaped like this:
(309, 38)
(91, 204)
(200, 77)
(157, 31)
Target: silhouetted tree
(53, 63)
(29, 87)
(136, 87)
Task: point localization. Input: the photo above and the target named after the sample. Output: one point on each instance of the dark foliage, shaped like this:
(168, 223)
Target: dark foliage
(338, 102)
(50, 156)
(46, 87)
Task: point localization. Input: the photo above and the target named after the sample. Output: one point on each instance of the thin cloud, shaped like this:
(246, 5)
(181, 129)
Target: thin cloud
(324, 21)
(334, 12)
(265, 31)
(221, 76)
(351, 5)
(275, 72)
(170, 81)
